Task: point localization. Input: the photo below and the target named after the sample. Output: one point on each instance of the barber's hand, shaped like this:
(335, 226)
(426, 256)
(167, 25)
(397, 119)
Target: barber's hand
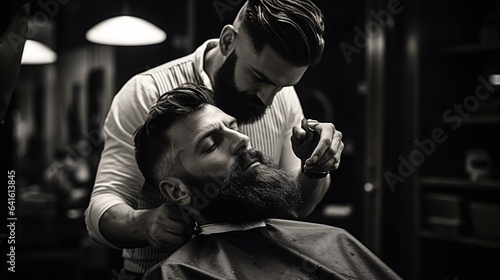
(167, 230)
(318, 145)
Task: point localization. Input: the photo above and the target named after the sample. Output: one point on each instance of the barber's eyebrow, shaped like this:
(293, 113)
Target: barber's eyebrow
(265, 78)
(262, 76)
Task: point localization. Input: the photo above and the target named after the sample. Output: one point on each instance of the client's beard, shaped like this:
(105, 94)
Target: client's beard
(265, 191)
(246, 108)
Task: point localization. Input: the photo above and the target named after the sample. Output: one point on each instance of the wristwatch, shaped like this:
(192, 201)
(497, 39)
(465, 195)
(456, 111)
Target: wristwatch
(315, 175)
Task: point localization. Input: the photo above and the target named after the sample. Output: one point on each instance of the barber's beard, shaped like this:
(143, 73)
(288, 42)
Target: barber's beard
(246, 108)
(243, 197)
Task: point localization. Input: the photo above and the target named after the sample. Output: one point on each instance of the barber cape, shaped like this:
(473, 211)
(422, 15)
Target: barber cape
(277, 249)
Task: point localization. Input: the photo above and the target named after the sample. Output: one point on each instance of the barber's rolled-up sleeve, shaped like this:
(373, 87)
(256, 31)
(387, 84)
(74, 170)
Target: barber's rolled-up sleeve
(118, 178)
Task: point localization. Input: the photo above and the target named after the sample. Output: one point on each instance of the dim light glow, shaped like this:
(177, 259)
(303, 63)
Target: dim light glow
(495, 79)
(37, 53)
(125, 31)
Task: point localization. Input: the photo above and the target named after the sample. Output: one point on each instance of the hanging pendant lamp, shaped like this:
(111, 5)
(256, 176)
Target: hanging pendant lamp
(37, 53)
(125, 30)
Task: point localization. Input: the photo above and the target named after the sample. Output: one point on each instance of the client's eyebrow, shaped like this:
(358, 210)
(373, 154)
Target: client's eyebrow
(213, 129)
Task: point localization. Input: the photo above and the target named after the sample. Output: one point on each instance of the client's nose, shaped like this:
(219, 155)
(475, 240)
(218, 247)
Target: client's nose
(239, 141)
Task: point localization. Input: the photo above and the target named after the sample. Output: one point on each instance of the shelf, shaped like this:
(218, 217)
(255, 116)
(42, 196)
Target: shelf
(482, 120)
(473, 48)
(473, 241)
(460, 183)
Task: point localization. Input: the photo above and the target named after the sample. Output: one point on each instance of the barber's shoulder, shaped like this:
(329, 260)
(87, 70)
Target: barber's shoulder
(188, 59)
(136, 89)
(146, 82)
(131, 104)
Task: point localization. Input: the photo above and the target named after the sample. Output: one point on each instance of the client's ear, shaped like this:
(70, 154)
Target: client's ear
(175, 191)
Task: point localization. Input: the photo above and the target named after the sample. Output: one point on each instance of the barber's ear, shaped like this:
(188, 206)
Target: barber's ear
(175, 191)
(227, 39)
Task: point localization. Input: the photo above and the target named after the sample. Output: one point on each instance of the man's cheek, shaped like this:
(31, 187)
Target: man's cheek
(211, 176)
(241, 80)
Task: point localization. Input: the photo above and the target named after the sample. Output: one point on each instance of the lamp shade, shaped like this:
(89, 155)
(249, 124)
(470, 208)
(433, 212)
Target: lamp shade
(125, 31)
(495, 79)
(37, 53)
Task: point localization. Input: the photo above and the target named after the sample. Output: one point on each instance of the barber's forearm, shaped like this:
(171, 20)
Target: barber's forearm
(313, 191)
(124, 226)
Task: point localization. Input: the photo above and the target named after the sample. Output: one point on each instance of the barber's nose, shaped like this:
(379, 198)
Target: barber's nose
(267, 94)
(239, 141)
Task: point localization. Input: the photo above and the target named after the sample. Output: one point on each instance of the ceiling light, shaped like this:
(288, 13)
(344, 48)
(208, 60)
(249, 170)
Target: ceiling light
(37, 53)
(495, 79)
(125, 31)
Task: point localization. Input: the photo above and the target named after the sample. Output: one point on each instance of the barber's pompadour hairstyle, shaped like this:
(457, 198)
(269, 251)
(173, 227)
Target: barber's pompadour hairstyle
(295, 29)
(154, 151)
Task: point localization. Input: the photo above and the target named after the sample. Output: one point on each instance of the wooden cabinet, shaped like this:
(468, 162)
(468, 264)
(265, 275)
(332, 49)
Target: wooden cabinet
(454, 193)
(436, 98)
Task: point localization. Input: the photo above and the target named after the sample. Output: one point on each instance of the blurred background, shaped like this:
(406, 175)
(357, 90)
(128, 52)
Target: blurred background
(414, 86)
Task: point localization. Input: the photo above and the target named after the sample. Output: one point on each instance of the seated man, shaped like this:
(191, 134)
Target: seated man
(195, 154)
